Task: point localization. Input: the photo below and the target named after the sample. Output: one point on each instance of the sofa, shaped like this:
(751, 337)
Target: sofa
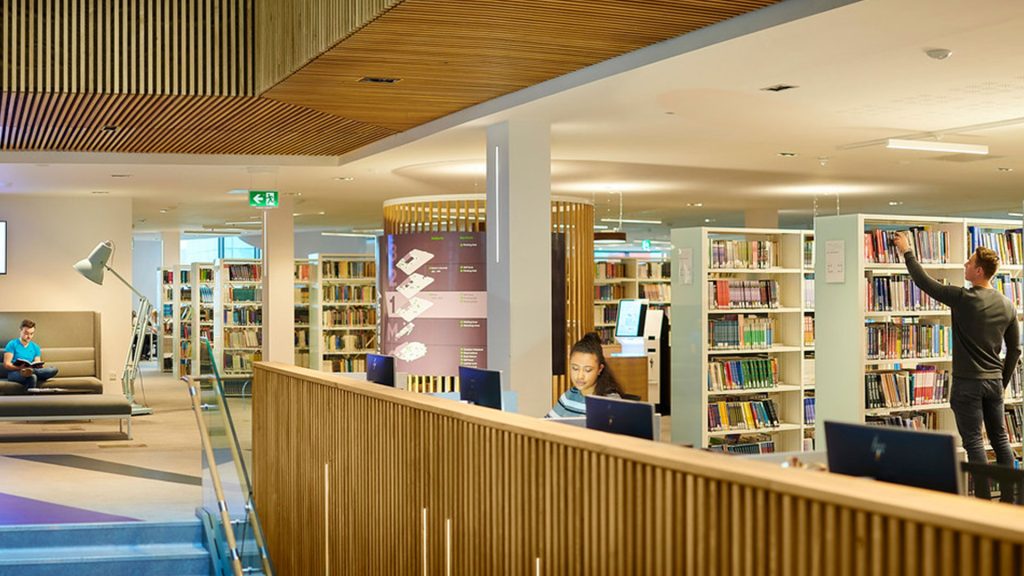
(70, 342)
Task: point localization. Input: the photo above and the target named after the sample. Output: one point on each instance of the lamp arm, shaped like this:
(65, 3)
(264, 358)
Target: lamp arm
(125, 282)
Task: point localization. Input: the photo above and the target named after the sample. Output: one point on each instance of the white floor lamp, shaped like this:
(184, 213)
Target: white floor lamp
(93, 268)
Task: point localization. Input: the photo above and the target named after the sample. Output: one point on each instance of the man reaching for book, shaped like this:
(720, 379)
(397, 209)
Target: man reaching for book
(983, 319)
(23, 361)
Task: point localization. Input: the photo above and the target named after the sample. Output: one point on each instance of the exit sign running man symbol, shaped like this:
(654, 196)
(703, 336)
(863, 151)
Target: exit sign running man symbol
(263, 198)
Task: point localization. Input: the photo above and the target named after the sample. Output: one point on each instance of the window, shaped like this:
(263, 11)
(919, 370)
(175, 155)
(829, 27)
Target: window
(211, 248)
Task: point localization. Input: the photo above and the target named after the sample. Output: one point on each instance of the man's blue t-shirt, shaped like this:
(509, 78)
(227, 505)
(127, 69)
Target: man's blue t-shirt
(26, 353)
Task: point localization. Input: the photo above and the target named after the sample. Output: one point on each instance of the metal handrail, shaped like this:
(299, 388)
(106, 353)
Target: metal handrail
(218, 489)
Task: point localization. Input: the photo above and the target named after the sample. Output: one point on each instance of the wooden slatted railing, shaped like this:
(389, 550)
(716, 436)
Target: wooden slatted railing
(353, 478)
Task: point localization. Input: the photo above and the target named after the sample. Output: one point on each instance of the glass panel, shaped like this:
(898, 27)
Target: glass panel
(232, 463)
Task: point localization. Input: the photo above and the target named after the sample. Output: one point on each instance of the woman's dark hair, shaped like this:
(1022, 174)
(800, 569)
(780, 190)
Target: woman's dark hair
(606, 383)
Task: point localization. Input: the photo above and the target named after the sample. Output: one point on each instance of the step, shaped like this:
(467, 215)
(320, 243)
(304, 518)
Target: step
(128, 533)
(149, 560)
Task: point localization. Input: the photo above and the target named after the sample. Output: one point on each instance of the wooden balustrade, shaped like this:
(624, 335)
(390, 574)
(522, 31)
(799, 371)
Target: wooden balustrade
(354, 478)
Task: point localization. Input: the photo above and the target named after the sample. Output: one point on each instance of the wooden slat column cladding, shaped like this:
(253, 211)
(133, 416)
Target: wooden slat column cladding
(354, 478)
(573, 218)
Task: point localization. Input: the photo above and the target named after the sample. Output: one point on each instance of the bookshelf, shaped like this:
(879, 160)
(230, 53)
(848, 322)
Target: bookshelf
(898, 371)
(304, 276)
(738, 376)
(197, 321)
(182, 319)
(618, 278)
(238, 316)
(343, 311)
(167, 313)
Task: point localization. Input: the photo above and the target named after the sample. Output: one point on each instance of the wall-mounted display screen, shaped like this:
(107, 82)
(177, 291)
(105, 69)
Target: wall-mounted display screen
(3, 247)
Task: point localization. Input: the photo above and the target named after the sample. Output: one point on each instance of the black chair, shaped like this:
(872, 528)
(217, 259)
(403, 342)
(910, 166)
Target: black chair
(993, 482)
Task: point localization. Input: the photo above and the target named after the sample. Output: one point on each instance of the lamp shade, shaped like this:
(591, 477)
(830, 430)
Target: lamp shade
(93, 266)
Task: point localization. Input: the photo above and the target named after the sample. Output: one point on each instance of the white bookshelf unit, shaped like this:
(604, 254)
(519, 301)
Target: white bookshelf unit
(343, 312)
(728, 299)
(858, 295)
(167, 312)
(182, 319)
(304, 277)
(238, 316)
(618, 278)
(200, 320)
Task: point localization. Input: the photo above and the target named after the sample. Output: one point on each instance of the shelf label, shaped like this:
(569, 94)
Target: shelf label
(263, 198)
(835, 264)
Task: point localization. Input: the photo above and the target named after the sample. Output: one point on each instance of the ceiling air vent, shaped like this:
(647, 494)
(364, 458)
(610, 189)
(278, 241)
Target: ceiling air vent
(779, 87)
(379, 80)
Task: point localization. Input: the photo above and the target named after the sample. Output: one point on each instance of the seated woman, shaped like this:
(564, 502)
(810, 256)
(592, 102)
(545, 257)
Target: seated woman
(19, 356)
(589, 375)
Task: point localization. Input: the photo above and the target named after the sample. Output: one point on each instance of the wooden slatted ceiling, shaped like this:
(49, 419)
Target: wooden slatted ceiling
(451, 55)
(179, 124)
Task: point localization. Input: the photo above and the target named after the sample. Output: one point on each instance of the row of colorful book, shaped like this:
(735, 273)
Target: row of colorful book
(1006, 243)
(742, 415)
(347, 270)
(743, 331)
(725, 294)
(897, 293)
(245, 272)
(609, 270)
(929, 246)
(906, 388)
(350, 316)
(927, 420)
(743, 374)
(905, 340)
(759, 254)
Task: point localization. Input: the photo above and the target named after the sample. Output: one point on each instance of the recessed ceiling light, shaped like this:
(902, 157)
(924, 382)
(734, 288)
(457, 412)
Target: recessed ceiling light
(779, 87)
(296, 214)
(120, 175)
(895, 203)
(238, 191)
(163, 210)
(1004, 169)
(601, 227)
(379, 80)
(1018, 214)
(344, 178)
(787, 154)
(347, 234)
(101, 192)
(709, 220)
(694, 204)
(936, 146)
(630, 221)
(243, 223)
(321, 213)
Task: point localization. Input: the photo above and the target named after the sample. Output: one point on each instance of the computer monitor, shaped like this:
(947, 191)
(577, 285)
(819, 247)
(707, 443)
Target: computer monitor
(632, 314)
(620, 416)
(380, 369)
(480, 387)
(908, 457)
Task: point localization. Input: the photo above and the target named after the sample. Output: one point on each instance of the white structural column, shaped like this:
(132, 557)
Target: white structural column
(279, 283)
(171, 241)
(519, 260)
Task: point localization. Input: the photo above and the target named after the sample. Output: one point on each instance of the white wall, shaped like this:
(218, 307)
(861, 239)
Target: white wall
(46, 236)
(147, 257)
(312, 242)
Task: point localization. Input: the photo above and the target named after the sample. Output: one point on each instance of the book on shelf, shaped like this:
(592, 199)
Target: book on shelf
(738, 415)
(605, 313)
(808, 252)
(350, 316)
(349, 293)
(250, 316)
(808, 370)
(726, 294)
(898, 293)
(245, 294)
(653, 270)
(656, 292)
(301, 295)
(809, 410)
(243, 337)
(743, 374)
(1006, 243)
(302, 337)
(929, 245)
(927, 420)
(757, 254)
(741, 331)
(245, 272)
(809, 291)
(906, 388)
(206, 295)
(1011, 287)
(609, 270)
(348, 269)
(760, 444)
(302, 271)
(347, 364)
(907, 339)
(808, 330)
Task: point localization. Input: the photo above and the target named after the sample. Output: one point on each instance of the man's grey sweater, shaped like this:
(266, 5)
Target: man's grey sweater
(983, 319)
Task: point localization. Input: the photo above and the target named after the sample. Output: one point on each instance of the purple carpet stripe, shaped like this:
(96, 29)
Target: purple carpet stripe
(15, 510)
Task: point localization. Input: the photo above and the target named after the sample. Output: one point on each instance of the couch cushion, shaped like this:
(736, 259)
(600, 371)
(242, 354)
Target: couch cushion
(60, 405)
(83, 385)
(74, 369)
(68, 354)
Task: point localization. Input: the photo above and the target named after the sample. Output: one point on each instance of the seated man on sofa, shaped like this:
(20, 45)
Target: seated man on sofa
(24, 349)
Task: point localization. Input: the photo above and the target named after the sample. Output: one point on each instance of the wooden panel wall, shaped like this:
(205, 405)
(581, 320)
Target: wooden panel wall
(353, 478)
(451, 55)
(181, 47)
(290, 33)
(574, 219)
(179, 124)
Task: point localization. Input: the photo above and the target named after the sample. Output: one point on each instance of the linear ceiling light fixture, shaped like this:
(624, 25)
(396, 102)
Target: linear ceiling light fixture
(347, 234)
(936, 146)
(629, 221)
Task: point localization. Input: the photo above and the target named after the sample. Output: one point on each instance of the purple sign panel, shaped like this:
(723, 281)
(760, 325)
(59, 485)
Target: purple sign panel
(434, 301)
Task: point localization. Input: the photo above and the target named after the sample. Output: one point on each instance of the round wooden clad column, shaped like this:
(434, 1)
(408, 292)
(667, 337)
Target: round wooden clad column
(468, 212)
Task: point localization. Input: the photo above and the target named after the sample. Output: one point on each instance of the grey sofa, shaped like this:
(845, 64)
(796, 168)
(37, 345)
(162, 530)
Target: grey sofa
(70, 342)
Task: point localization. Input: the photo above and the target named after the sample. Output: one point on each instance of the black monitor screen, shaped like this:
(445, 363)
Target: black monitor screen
(908, 457)
(631, 317)
(480, 387)
(380, 369)
(620, 416)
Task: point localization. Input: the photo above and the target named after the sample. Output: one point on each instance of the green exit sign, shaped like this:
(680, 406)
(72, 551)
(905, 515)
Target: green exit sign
(263, 198)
